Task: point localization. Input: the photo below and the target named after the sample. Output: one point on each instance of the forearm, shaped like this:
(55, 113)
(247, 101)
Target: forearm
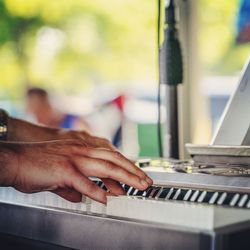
(19, 130)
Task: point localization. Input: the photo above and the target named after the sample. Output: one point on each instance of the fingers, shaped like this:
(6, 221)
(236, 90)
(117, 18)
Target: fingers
(84, 186)
(68, 194)
(116, 158)
(113, 186)
(104, 169)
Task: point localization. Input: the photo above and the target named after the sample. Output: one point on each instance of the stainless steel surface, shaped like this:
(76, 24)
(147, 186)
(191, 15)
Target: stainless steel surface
(202, 181)
(194, 149)
(82, 231)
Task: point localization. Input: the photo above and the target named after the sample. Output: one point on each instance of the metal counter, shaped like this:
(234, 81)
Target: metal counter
(60, 229)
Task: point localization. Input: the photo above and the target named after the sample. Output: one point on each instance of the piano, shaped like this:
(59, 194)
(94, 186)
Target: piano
(188, 207)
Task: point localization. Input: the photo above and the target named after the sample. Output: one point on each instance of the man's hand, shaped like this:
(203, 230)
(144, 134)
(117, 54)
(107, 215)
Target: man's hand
(63, 167)
(88, 139)
(20, 130)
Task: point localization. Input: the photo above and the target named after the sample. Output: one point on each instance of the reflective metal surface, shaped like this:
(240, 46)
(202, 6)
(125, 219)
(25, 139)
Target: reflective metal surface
(82, 231)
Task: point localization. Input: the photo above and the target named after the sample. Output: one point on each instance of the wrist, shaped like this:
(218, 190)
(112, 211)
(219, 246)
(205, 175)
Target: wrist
(16, 130)
(12, 129)
(8, 163)
(20, 130)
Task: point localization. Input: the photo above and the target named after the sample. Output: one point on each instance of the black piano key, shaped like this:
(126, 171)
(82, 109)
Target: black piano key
(104, 188)
(98, 183)
(155, 192)
(182, 194)
(208, 196)
(101, 185)
(176, 195)
(135, 192)
(126, 187)
(130, 191)
(248, 204)
(202, 196)
(243, 200)
(222, 198)
(171, 194)
(188, 194)
(164, 193)
(159, 193)
(234, 200)
(214, 198)
(148, 191)
(140, 193)
(151, 192)
(195, 195)
(228, 198)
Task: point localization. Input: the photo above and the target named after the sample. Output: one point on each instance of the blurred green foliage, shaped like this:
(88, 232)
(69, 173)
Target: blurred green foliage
(71, 44)
(219, 53)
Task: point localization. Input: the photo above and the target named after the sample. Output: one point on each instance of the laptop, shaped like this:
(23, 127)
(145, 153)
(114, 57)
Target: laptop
(231, 141)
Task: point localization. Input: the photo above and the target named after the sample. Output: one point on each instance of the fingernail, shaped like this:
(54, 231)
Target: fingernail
(144, 183)
(149, 181)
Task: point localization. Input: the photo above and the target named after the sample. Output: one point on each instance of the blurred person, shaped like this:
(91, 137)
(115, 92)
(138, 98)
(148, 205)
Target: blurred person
(35, 158)
(118, 102)
(38, 104)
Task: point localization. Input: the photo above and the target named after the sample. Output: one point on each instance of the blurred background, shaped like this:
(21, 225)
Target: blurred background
(93, 65)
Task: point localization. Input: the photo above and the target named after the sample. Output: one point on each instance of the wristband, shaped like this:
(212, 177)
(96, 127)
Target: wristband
(3, 125)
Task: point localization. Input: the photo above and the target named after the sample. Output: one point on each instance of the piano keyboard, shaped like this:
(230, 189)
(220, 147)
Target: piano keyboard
(156, 192)
(231, 199)
(179, 197)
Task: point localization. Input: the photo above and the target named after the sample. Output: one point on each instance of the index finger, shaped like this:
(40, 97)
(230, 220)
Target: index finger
(116, 158)
(104, 169)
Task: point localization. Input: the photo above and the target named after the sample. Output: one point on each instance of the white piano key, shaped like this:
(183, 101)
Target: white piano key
(177, 194)
(202, 196)
(222, 198)
(159, 193)
(213, 198)
(135, 192)
(187, 195)
(195, 195)
(154, 191)
(234, 200)
(129, 190)
(248, 204)
(192, 215)
(243, 200)
(95, 207)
